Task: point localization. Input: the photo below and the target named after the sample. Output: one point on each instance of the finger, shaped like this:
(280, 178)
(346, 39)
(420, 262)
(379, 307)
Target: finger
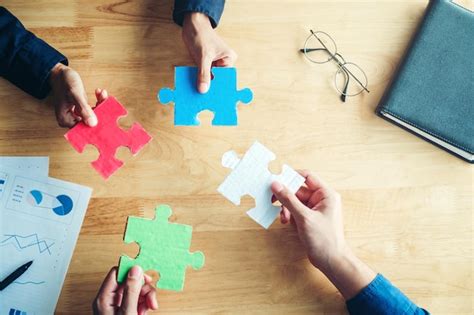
(285, 215)
(151, 300)
(219, 63)
(110, 282)
(105, 298)
(100, 95)
(232, 58)
(223, 62)
(226, 59)
(119, 296)
(74, 111)
(145, 289)
(288, 200)
(317, 196)
(148, 301)
(84, 110)
(204, 75)
(142, 309)
(312, 181)
(303, 194)
(148, 293)
(133, 285)
(66, 119)
(148, 278)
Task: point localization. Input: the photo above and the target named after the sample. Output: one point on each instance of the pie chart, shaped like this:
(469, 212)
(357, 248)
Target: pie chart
(65, 205)
(60, 204)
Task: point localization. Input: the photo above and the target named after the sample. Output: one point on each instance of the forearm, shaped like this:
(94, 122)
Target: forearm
(348, 273)
(316, 210)
(26, 60)
(365, 291)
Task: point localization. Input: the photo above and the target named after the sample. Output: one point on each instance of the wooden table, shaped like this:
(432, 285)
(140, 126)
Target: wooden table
(407, 204)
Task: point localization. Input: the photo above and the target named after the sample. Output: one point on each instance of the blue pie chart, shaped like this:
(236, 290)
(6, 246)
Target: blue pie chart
(35, 197)
(65, 205)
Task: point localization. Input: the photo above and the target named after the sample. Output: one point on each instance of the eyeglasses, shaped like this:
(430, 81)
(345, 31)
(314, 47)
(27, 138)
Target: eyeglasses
(320, 48)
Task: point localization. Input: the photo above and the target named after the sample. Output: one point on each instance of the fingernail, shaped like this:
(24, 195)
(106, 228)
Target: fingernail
(203, 87)
(277, 187)
(135, 272)
(91, 121)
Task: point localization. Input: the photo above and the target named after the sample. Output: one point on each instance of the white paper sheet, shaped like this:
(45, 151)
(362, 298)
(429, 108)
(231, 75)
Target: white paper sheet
(250, 176)
(33, 165)
(40, 220)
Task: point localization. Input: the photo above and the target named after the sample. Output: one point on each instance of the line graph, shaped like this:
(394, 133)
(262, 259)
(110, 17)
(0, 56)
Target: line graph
(20, 242)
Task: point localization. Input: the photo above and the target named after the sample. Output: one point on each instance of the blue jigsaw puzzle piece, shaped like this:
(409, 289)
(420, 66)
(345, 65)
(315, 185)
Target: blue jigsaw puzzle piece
(221, 98)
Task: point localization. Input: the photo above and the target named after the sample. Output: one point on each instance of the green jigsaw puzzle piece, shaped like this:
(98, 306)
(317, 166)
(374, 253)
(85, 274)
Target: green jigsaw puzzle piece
(164, 247)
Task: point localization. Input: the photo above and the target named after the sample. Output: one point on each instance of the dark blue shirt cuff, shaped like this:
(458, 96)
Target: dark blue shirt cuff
(212, 8)
(32, 65)
(380, 297)
(25, 60)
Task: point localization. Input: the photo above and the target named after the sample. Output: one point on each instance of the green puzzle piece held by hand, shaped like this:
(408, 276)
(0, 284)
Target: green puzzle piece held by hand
(164, 247)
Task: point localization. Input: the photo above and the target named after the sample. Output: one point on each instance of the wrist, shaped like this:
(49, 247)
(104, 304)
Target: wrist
(341, 261)
(348, 273)
(337, 260)
(197, 20)
(56, 72)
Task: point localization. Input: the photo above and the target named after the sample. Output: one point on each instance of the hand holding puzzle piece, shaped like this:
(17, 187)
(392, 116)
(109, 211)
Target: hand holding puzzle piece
(250, 175)
(164, 247)
(220, 99)
(107, 136)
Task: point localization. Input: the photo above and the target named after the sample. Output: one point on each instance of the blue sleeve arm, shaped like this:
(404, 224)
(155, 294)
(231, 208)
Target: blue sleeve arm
(25, 60)
(380, 297)
(212, 8)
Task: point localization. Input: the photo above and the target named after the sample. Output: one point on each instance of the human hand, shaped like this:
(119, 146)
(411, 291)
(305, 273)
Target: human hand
(205, 47)
(316, 211)
(69, 97)
(135, 296)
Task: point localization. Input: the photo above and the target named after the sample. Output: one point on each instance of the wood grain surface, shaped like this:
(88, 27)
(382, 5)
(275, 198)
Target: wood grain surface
(407, 204)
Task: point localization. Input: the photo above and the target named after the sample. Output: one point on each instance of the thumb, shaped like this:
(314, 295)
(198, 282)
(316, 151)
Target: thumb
(133, 286)
(204, 75)
(84, 110)
(288, 200)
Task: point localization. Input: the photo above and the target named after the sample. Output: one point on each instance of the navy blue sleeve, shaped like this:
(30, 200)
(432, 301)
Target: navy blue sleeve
(212, 8)
(25, 60)
(380, 297)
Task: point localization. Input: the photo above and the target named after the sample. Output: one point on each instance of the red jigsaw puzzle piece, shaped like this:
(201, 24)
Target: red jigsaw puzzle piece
(107, 136)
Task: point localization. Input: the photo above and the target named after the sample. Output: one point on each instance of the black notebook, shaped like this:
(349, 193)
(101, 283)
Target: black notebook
(432, 93)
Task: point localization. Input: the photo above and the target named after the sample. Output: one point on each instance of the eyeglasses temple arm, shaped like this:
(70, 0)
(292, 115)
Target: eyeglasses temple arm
(310, 49)
(355, 78)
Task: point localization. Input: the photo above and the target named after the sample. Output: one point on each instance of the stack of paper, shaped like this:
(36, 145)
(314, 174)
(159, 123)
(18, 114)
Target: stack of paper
(40, 220)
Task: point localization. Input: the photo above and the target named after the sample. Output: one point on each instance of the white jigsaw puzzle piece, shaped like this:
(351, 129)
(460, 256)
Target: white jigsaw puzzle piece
(250, 176)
